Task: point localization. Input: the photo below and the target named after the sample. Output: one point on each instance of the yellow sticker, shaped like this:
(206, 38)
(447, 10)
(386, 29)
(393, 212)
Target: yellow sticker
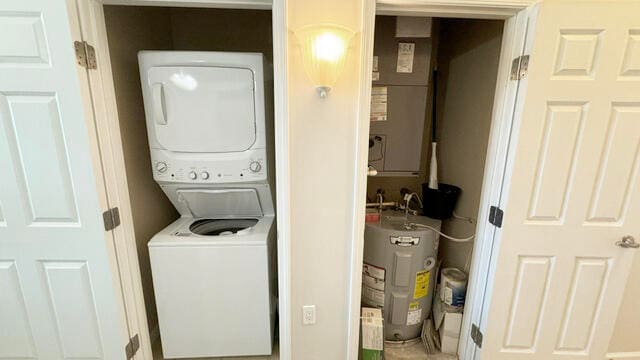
(414, 305)
(422, 284)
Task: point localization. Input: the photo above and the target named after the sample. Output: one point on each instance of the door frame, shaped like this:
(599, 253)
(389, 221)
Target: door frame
(102, 101)
(504, 117)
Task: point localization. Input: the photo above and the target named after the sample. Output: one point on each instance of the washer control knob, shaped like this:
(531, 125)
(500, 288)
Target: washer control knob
(193, 175)
(204, 175)
(161, 166)
(255, 166)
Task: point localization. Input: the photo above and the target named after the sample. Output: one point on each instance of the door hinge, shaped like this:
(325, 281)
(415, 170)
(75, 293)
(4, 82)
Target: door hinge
(132, 347)
(495, 216)
(111, 218)
(519, 67)
(476, 335)
(85, 55)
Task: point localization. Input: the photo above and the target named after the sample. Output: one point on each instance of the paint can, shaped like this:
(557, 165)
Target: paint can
(453, 286)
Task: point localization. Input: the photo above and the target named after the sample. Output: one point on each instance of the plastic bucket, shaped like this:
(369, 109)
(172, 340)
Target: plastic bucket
(440, 203)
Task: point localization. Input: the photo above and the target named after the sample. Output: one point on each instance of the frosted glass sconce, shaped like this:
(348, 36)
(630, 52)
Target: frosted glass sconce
(324, 50)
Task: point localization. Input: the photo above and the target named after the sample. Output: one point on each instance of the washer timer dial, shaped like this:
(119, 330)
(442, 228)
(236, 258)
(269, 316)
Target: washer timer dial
(255, 166)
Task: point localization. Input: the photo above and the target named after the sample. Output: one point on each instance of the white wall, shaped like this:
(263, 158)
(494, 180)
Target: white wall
(322, 148)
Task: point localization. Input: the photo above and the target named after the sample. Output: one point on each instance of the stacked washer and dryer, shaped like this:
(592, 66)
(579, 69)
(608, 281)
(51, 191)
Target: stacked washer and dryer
(214, 268)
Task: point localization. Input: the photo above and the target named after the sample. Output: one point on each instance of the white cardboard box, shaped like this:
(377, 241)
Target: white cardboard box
(450, 332)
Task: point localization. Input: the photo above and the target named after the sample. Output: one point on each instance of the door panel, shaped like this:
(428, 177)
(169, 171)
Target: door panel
(574, 189)
(59, 298)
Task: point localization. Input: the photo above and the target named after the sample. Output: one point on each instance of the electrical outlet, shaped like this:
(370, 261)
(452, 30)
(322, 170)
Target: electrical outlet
(308, 314)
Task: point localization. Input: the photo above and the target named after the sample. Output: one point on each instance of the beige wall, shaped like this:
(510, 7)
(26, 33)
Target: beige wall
(468, 58)
(130, 29)
(322, 150)
(626, 334)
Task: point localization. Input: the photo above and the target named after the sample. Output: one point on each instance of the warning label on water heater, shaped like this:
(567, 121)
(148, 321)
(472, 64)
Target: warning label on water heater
(373, 285)
(421, 287)
(414, 315)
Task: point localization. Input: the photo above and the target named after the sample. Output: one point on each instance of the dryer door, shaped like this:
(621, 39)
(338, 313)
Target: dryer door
(202, 109)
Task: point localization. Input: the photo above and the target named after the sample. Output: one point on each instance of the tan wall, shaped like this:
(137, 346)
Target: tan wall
(626, 334)
(468, 58)
(322, 150)
(129, 30)
(222, 30)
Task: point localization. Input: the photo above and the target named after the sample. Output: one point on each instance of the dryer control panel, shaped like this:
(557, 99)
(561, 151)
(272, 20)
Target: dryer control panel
(170, 169)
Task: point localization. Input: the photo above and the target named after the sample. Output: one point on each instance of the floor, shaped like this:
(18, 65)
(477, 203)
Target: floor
(413, 351)
(157, 354)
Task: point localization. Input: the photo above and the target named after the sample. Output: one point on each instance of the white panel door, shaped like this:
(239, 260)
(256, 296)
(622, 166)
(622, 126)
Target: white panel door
(574, 191)
(58, 299)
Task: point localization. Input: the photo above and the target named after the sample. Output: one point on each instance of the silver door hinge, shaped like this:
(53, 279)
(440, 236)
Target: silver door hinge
(132, 347)
(111, 218)
(519, 67)
(495, 216)
(476, 335)
(85, 55)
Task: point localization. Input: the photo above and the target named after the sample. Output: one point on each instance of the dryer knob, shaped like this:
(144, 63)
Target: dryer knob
(161, 166)
(255, 166)
(193, 175)
(204, 175)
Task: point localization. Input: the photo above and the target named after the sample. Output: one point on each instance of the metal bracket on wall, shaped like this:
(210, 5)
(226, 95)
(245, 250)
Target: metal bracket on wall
(111, 219)
(132, 347)
(476, 335)
(519, 67)
(495, 216)
(85, 55)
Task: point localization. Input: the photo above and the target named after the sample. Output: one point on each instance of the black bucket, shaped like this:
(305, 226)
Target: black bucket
(440, 203)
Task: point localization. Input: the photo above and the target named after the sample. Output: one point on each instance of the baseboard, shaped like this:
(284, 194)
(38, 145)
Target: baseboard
(632, 355)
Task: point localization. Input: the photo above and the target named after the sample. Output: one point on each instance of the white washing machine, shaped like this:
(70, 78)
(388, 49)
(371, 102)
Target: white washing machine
(214, 268)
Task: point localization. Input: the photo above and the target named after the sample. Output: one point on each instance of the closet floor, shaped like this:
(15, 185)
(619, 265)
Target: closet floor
(413, 351)
(157, 354)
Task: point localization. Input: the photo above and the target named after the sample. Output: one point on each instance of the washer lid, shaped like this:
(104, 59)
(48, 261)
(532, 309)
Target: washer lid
(203, 203)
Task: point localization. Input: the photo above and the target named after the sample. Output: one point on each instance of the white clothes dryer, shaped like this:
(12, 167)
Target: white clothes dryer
(214, 269)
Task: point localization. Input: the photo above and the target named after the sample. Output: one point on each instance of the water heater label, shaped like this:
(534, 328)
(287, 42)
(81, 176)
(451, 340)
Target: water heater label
(373, 285)
(373, 271)
(414, 316)
(421, 287)
(372, 297)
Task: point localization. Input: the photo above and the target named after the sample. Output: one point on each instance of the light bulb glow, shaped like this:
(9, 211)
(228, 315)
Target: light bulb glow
(329, 47)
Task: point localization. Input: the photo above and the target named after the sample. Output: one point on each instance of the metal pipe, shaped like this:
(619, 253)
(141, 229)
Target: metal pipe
(377, 204)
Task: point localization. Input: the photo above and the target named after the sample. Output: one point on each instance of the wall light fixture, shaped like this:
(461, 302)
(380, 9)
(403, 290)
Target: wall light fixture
(324, 50)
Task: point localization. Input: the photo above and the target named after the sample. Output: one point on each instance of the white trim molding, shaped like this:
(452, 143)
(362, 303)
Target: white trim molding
(444, 8)
(477, 9)
(632, 355)
(221, 4)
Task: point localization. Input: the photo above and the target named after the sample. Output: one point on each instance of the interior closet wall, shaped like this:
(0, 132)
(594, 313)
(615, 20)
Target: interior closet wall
(130, 29)
(468, 56)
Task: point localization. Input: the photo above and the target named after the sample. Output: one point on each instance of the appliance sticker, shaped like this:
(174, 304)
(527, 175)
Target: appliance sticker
(373, 285)
(422, 284)
(372, 282)
(405, 57)
(378, 103)
(372, 297)
(414, 316)
(373, 271)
